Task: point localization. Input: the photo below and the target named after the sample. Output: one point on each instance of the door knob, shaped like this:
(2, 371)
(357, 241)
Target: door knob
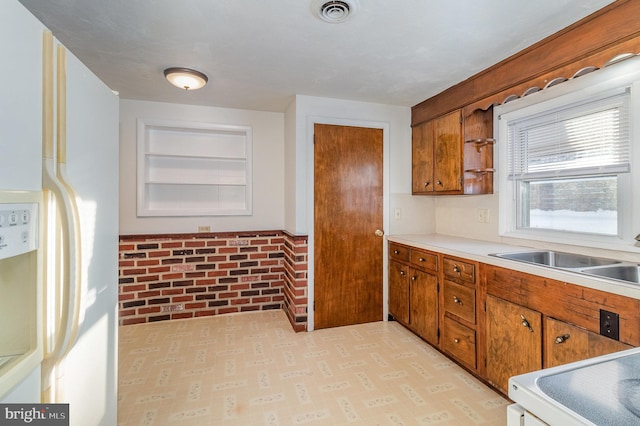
(379, 233)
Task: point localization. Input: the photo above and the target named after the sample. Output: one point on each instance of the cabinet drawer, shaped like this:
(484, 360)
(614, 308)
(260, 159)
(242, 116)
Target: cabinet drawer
(460, 342)
(398, 252)
(459, 270)
(460, 301)
(424, 260)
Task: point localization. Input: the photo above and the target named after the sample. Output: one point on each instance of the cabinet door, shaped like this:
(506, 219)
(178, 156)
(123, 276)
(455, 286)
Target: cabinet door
(422, 158)
(399, 291)
(565, 343)
(423, 302)
(513, 341)
(447, 174)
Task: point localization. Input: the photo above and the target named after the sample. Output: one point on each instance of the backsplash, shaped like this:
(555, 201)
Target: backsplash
(174, 276)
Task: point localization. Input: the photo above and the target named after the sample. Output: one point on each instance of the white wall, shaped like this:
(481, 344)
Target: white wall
(458, 216)
(268, 168)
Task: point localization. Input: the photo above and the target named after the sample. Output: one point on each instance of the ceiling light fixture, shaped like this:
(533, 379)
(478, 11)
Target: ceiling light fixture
(185, 78)
(334, 12)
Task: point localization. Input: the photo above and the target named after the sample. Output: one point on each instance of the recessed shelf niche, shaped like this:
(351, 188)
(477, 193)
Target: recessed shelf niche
(193, 169)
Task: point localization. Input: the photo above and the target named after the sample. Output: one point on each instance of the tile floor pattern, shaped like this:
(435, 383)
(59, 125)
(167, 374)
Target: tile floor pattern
(252, 369)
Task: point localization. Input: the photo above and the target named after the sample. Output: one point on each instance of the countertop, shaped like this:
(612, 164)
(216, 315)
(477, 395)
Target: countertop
(479, 251)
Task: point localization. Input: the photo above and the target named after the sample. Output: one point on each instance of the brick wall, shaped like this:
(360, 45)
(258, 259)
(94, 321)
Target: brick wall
(295, 281)
(174, 276)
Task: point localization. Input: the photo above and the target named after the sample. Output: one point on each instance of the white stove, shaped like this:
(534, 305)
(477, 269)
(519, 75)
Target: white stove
(599, 391)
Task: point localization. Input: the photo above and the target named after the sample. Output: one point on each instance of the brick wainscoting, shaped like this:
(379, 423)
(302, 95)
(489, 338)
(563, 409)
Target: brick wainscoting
(174, 276)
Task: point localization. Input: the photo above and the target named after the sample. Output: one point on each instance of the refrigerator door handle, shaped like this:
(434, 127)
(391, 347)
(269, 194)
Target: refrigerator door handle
(68, 292)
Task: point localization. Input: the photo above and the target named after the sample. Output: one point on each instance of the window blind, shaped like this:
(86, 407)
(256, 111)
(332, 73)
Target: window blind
(586, 138)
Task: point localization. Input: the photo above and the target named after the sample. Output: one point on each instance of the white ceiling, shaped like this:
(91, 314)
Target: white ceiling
(259, 53)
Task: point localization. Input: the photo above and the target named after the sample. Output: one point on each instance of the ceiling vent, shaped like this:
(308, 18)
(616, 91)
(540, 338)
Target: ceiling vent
(334, 12)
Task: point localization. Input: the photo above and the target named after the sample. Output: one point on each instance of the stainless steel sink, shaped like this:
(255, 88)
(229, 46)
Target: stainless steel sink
(558, 259)
(628, 273)
(583, 264)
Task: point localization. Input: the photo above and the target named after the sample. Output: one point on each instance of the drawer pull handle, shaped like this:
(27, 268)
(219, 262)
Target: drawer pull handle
(456, 340)
(427, 183)
(396, 252)
(456, 269)
(457, 301)
(439, 182)
(402, 273)
(413, 278)
(422, 259)
(562, 339)
(525, 323)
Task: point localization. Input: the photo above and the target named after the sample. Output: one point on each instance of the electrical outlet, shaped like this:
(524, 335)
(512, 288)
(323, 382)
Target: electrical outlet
(397, 213)
(610, 324)
(204, 228)
(483, 215)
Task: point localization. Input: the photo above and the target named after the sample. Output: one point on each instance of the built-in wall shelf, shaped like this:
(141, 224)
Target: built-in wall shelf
(193, 169)
(478, 144)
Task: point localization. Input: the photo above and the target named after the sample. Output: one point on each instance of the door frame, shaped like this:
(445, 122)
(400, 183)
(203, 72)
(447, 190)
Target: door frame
(311, 122)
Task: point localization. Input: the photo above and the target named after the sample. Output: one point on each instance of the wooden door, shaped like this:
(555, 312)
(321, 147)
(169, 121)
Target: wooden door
(447, 168)
(348, 203)
(423, 301)
(514, 341)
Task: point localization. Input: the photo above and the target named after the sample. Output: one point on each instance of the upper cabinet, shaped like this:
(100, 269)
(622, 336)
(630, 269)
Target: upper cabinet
(436, 155)
(452, 157)
(452, 154)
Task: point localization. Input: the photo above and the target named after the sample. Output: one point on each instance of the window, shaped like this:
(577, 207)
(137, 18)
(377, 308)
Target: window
(568, 162)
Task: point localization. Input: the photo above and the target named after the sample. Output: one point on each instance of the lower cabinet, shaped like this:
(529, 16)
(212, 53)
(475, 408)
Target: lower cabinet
(565, 343)
(513, 341)
(499, 322)
(515, 336)
(399, 292)
(413, 290)
(423, 305)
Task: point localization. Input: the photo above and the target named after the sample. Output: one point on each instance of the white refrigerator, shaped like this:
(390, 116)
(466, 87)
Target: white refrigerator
(78, 301)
